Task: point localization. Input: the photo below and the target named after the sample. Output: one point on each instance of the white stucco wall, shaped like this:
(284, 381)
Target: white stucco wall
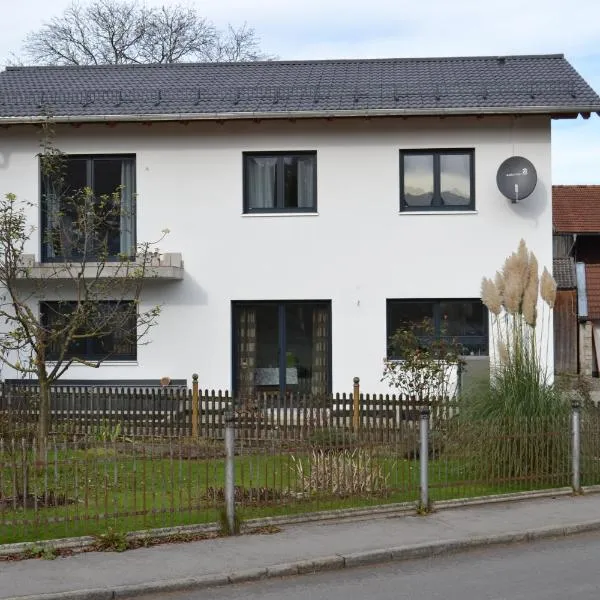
(357, 252)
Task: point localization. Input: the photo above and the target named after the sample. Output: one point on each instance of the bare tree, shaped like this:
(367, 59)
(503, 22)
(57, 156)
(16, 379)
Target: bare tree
(85, 294)
(129, 32)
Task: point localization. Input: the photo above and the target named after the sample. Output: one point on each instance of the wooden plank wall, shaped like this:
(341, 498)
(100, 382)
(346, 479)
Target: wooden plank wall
(565, 332)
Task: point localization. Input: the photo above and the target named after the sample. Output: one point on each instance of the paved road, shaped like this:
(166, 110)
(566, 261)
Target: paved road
(548, 570)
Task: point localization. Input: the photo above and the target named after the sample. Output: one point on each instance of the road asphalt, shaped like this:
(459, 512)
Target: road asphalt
(548, 569)
(297, 549)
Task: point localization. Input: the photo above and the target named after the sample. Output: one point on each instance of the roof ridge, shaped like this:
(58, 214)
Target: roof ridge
(294, 62)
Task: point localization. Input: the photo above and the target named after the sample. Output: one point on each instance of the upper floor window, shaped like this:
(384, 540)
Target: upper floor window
(437, 180)
(280, 182)
(108, 330)
(88, 208)
(463, 321)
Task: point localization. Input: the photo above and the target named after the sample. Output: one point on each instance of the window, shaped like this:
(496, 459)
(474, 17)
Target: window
(282, 347)
(465, 321)
(280, 182)
(77, 225)
(437, 180)
(110, 331)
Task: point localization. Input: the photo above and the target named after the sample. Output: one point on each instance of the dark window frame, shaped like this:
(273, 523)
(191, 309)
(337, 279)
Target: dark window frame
(280, 198)
(89, 354)
(281, 304)
(436, 321)
(89, 178)
(437, 204)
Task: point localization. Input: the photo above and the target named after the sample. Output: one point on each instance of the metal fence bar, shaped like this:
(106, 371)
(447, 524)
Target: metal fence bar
(230, 472)
(424, 458)
(576, 446)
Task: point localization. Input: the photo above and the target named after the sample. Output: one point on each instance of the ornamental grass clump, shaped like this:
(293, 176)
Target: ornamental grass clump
(342, 473)
(526, 408)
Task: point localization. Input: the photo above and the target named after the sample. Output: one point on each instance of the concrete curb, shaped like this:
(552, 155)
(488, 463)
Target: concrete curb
(324, 563)
(383, 510)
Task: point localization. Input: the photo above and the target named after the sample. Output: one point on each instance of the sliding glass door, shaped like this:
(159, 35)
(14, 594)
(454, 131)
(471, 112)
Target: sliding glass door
(281, 347)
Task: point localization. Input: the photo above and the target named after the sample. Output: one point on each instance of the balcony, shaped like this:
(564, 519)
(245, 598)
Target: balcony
(167, 267)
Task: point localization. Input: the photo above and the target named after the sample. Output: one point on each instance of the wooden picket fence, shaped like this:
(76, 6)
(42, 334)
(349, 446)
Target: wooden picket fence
(109, 411)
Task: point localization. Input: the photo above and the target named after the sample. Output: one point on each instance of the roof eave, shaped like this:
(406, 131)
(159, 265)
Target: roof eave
(304, 114)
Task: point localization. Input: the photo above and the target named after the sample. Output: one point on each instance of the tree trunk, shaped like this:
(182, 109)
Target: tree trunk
(44, 415)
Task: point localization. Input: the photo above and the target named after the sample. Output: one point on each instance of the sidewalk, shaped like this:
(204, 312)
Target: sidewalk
(297, 548)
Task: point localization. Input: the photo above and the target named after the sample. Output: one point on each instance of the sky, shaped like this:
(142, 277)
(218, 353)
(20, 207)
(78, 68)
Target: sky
(313, 29)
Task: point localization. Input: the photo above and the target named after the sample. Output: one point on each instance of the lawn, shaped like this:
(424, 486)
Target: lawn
(83, 491)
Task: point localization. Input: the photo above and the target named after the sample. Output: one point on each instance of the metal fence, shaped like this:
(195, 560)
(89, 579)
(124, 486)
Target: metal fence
(85, 483)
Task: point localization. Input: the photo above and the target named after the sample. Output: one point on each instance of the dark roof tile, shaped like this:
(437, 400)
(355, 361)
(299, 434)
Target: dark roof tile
(545, 83)
(563, 271)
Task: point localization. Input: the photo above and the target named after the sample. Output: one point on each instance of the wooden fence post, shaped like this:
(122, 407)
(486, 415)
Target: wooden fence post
(356, 404)
(195, 401)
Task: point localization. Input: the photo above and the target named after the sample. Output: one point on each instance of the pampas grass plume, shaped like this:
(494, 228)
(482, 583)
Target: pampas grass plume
(530, 296)
(490, 296)
(548, 288)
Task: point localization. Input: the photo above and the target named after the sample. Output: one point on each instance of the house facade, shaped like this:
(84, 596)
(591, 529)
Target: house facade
(576, 248)
(312, 207)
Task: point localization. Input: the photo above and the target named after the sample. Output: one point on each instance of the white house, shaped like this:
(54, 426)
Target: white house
(315, 205)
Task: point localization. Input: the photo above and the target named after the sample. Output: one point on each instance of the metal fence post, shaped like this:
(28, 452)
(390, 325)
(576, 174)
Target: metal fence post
(576, 445)
(424, 459)
(195, 405)
(356, 404)
(229, 471)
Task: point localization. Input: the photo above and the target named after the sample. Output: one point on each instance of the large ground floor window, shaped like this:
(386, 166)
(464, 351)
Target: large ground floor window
(463, 320)
(281, 347)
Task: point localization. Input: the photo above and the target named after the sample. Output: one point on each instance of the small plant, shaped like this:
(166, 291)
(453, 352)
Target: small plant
(111, 541)
(224, 526)
(423, 510)
(340, 473)
(49, 553)
(105, 432)
(33, 551)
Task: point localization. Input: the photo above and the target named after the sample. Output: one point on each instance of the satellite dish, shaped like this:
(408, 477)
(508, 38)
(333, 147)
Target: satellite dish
(516, 178)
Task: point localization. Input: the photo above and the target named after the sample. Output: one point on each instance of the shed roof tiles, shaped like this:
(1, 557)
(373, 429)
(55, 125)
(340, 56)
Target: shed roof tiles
(576, 208)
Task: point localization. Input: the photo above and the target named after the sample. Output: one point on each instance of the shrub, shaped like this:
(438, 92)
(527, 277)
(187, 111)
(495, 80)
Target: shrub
(518, 421)
(340, 473)
(425, 364)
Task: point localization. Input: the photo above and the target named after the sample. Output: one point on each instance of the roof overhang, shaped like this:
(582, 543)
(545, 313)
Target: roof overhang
(555, 112)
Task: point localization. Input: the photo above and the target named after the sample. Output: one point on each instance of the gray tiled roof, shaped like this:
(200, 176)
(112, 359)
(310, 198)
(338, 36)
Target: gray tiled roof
(563, 271)
(540, 84)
